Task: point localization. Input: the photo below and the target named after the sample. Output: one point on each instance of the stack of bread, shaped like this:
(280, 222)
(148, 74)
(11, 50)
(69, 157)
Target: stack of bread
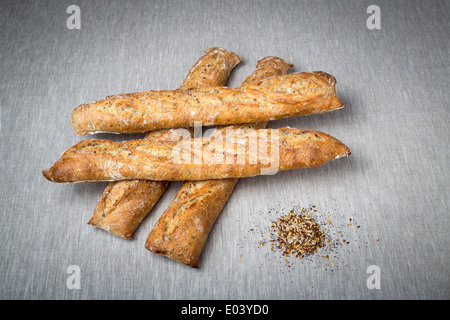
(140, 170)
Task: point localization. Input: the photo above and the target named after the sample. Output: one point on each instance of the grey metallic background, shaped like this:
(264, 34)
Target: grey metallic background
(394, 83)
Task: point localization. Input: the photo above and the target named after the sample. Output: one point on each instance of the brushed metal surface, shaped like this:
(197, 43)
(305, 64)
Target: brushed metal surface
(393, 81)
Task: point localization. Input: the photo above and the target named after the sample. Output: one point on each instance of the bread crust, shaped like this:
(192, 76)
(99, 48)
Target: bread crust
(274, 98)
(182, 230)
(124, 204)
(211, 70)
(105, 160)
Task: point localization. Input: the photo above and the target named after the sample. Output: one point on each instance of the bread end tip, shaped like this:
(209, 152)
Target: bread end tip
(77, 118)
(47, 174)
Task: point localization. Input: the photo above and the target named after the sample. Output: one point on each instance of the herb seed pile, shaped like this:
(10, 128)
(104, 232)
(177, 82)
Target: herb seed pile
(296, 235)
(306, 234)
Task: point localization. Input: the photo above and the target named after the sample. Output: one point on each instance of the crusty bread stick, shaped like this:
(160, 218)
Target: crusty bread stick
(266, 68)
(275, 98)
(237, 155)
(182, 230)
(211, 70)
(124, 204)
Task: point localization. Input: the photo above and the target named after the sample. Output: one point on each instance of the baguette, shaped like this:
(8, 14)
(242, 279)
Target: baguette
(124, 204)
(211, 70)
(105, 160)
(275, 98)
(182, 230)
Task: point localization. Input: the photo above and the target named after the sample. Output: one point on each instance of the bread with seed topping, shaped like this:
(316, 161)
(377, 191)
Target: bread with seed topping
(287, 148)
(124, 204)
(275, 98)
(182, 230)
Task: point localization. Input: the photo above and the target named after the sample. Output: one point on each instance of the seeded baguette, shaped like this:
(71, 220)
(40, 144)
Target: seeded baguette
(275, 98)
(211, 70)
(182, 230)
(105, 160)
(124, 204)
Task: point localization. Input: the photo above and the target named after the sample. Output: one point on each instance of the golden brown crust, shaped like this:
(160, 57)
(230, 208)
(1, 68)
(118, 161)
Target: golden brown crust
(104, 160)
(124, 204)
(266, 68)
(275, 98)
(211, 70)
(183, 229)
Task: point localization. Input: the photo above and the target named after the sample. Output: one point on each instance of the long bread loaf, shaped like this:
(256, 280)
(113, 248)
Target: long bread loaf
(182, 230)
(275, 98)
(211, 70)
(237, 155)
(124, 204)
